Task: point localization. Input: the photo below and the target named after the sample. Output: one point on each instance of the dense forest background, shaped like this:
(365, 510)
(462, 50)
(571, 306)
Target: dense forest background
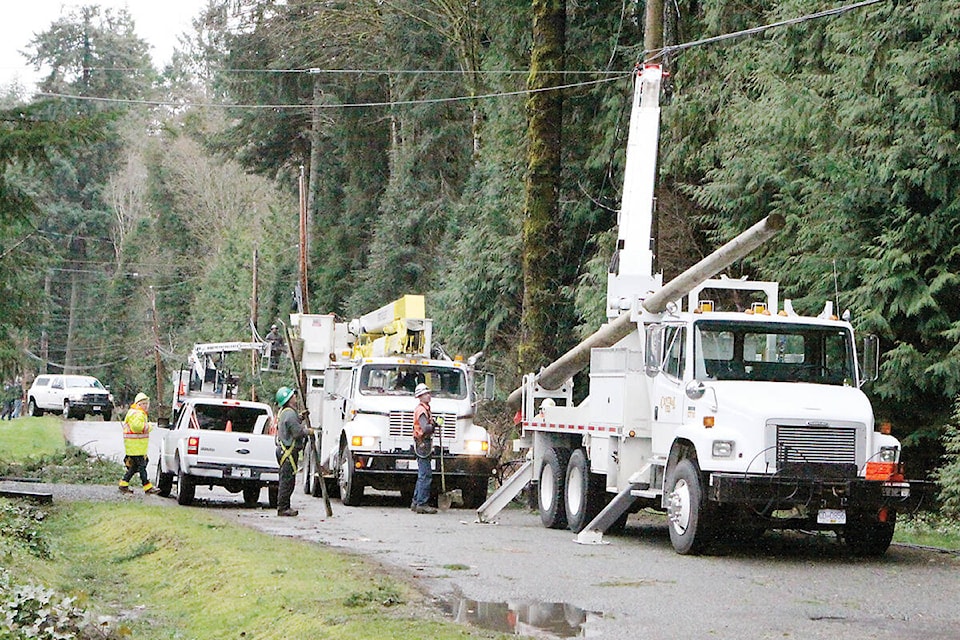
(412, 123)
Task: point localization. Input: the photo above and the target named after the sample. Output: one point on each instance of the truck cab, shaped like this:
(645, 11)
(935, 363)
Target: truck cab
(360, 377)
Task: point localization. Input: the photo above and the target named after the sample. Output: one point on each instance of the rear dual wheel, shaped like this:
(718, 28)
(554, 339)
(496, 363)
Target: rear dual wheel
(550, 493)
(584, 492)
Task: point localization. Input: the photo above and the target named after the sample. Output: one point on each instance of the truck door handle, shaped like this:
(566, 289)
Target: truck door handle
(243, 439)
(243, 451)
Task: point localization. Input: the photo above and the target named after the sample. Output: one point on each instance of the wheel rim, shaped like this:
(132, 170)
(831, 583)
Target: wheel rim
(678, 508)
(548, 488)
(574, 491)
(346, 468)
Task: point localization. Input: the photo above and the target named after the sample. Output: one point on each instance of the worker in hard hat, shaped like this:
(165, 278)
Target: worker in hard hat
(136, 442)
(291, 435)
(423, 428)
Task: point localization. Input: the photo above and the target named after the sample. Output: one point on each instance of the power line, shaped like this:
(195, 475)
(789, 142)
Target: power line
(755, 30)
(354, 105)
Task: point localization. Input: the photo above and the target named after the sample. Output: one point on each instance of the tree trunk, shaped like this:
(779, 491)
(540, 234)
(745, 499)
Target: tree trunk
(541, 224)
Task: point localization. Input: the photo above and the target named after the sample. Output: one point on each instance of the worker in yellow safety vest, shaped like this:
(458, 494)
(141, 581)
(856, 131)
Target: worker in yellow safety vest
(136, 441)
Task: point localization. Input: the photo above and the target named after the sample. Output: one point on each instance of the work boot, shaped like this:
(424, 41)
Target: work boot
(288, 512)
(424, 508)
(124, 488)
(151, 491)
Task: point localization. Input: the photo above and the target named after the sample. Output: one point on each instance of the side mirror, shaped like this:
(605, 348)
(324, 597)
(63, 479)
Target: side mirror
(653, 354)
(870, 360)
(489, 386)
(695, 389)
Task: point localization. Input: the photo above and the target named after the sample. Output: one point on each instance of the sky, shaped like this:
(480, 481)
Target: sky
(159, 22)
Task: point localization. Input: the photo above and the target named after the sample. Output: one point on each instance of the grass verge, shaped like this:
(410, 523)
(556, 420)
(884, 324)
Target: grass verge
(929, 529)
(35, 448)
(165, 573)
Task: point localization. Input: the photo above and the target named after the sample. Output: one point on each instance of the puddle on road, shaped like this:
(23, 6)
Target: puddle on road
(523, 618)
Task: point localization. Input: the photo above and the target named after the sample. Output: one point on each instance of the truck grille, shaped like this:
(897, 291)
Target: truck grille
(401, 425)
(825, 444)
(95, 398)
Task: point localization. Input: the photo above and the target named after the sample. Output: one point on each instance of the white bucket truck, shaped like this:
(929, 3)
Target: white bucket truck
(360, 377)
(732, 422)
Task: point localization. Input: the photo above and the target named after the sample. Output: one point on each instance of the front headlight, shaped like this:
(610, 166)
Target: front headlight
(722, 448)
(476, 446)
(889, 454)
(364, 442)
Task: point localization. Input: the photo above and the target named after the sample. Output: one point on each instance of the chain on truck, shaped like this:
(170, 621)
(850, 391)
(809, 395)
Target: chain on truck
(360, 377)
(731, 421)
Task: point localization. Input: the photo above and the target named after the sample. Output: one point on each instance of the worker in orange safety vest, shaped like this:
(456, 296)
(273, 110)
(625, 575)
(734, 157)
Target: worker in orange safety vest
(136, 441)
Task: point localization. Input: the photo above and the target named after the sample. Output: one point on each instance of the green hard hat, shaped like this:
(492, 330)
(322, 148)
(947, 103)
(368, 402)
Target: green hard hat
(283, 395)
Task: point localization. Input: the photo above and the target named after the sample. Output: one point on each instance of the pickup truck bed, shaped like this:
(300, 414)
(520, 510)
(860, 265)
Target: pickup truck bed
(218, 442)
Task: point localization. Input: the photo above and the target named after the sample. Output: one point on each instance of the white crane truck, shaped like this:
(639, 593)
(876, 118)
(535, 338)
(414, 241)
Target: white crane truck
(732, 422)
(360, 377)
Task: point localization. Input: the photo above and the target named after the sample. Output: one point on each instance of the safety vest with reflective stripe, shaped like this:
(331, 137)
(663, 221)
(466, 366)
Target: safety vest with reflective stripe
(422, 409)
(136, 432)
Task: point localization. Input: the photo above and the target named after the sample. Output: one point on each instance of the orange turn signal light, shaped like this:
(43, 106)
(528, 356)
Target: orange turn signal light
(708, 421)
(881, 470)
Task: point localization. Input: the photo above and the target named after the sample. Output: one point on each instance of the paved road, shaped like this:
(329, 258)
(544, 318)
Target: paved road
(520, 577)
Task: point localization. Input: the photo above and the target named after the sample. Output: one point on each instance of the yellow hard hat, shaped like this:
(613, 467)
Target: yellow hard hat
(140, 398)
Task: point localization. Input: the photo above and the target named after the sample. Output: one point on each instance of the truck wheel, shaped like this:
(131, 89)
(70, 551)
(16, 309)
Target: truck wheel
(33, 410)
(164, 482)
(686, 511)
(273, 495)
(866, 537)
(550, 496)
(251, 495)
(474, 493)
(584, 492)
(308, 471)
(186, 488)
(351, 488)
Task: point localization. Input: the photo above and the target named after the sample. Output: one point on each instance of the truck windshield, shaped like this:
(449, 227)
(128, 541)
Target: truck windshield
(773, 352)
(401, 380)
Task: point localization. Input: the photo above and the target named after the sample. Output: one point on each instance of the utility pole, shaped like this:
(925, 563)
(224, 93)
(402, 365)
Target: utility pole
(156, 347)
(44, 337)
(304, 293)
(653, 30)
(254, 312)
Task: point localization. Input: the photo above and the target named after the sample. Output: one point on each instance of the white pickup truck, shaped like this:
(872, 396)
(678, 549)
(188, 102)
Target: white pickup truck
(219, 442)
(73, 396)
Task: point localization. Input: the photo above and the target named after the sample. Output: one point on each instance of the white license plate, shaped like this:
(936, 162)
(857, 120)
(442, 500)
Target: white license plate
(96, 408)
(832, 516)
(240, 473)
(406, 464)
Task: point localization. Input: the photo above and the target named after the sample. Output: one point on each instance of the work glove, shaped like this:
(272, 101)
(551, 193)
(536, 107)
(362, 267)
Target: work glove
(304, 414)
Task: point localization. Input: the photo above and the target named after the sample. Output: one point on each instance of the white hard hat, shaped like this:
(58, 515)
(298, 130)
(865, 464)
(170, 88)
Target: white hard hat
(420, 390)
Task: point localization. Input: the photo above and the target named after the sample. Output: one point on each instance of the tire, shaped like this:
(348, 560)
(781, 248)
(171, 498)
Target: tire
(869, 538)
(273, 495)
(33, 410)
(474, 493)
(351, 488)
(309, 462)
(686, 509)
(251, 495)
(583, 492)
(164, 482)
(186, 487)
(550, 494)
